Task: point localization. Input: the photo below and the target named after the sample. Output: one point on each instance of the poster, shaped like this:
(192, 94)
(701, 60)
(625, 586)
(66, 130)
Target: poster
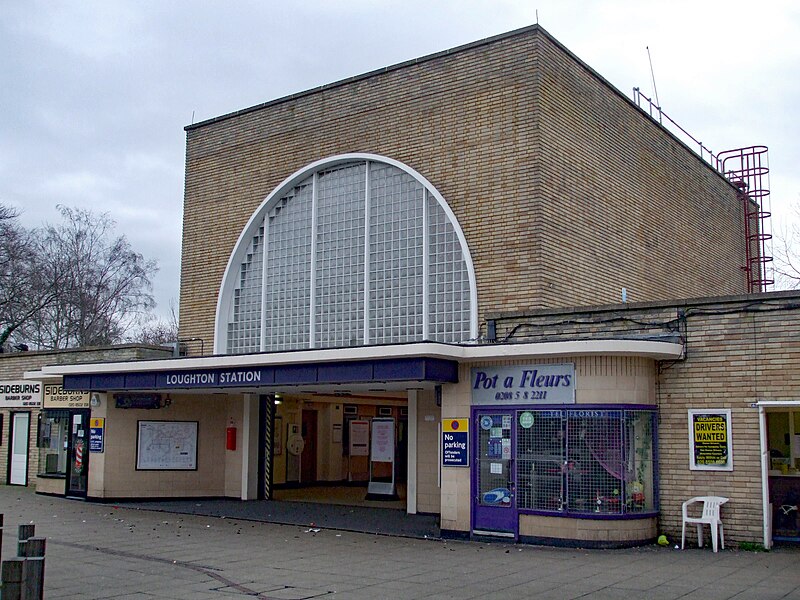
(382, 440)
(359, 438)
(710, 446)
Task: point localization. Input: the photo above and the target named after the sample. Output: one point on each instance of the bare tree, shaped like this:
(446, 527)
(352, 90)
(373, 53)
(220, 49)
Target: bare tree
(102, 287)
(158, 332)
(26, 287)
(787, 253)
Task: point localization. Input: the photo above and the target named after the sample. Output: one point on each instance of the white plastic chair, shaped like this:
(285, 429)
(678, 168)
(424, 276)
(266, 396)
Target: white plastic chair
(710, 516)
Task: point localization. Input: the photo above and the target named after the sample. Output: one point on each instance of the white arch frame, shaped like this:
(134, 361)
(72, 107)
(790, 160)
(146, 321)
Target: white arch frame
(240, 248)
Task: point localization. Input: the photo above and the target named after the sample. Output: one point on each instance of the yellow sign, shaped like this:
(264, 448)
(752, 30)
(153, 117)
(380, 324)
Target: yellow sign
(56, 397)
(96, 423)
(451, 425)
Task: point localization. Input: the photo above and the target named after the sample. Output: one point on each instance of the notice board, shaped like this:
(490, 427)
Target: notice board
(166, 446)
(710, 447)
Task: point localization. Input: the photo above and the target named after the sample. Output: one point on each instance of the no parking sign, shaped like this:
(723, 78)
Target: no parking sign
(455, 443)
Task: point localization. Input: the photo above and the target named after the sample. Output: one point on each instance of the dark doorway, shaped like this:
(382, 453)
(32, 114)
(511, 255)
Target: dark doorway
(308, 459)
(78, 454)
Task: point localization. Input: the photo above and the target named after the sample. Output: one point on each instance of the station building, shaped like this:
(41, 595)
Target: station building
(378, 287)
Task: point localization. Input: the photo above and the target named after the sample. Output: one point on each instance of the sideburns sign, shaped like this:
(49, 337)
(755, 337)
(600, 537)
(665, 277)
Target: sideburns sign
(56, 397)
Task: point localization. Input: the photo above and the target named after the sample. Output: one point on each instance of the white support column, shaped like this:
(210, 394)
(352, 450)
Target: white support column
(411, 478)
(765, 504)
(249, 447)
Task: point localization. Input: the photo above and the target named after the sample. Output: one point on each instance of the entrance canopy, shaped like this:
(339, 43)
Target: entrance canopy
(387, 367)
(403, 370)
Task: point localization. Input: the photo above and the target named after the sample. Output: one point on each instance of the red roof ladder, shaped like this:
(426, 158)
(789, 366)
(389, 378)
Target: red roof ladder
(748, 169)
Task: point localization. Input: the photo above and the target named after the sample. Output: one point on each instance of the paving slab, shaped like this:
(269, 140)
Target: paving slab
(100, 551)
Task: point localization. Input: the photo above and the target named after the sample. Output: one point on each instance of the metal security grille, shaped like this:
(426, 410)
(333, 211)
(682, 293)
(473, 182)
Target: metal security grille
(586, 461)
(540, 460)
(595, 465)
(494, 460)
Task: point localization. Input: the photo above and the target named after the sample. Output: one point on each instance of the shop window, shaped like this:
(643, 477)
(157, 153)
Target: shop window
(53, 435)
(586, 461)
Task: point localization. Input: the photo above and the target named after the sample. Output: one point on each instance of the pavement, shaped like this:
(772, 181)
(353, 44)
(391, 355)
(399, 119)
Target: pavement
(110, 551)
(386, 521)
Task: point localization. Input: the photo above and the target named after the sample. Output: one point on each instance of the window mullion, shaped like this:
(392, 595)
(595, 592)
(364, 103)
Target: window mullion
(367, 199)
(425, 267)
(312, 330)
(262, 346)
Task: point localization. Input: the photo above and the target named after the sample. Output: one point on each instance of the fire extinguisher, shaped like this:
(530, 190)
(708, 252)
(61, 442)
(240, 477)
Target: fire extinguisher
(230, 437)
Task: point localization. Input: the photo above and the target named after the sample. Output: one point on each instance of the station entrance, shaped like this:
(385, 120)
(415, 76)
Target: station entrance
(348, 449)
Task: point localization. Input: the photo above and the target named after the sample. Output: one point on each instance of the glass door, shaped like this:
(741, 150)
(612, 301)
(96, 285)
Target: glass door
(494, 503)
(18, 461)
(78, 454)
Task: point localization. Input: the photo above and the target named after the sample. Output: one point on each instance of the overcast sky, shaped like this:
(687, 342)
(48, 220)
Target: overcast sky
(94, 95)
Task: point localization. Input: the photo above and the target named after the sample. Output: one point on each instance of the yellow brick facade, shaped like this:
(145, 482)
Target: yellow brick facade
(739, 351)
(566, 192)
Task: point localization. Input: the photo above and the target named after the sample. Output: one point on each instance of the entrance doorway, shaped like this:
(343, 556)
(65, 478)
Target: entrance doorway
(18, 458)
(308, 458)
(783, 444)
(495, 510)
(78, 454)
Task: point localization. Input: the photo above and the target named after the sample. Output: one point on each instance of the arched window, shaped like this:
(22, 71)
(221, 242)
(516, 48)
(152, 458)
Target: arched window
(350, 251)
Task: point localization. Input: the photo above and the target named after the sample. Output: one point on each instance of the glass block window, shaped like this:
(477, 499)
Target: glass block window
(244, 329)
(448, 278)
(352, 253)
(288, 252)
(587, 461)
(339, 281)
(395, 256)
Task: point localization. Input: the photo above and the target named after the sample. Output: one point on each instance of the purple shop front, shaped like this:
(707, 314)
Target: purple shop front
(538, 454)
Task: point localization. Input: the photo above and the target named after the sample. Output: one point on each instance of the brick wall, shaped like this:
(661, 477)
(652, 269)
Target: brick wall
(14, 365)
(739, 350)
(564, 190)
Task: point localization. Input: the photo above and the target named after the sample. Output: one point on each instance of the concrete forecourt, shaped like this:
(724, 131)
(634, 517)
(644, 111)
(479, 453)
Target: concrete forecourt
(107, 551)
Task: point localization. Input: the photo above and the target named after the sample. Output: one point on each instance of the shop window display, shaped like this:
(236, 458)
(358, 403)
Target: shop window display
(593, 462)
(53, 435)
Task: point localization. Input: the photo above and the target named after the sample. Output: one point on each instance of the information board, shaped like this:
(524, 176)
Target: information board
(167, 446)
(710, 446)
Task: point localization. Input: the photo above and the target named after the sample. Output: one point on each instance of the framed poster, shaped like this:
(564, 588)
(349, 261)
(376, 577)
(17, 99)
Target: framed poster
(166, 446)
(710, 447)
(359, 438)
